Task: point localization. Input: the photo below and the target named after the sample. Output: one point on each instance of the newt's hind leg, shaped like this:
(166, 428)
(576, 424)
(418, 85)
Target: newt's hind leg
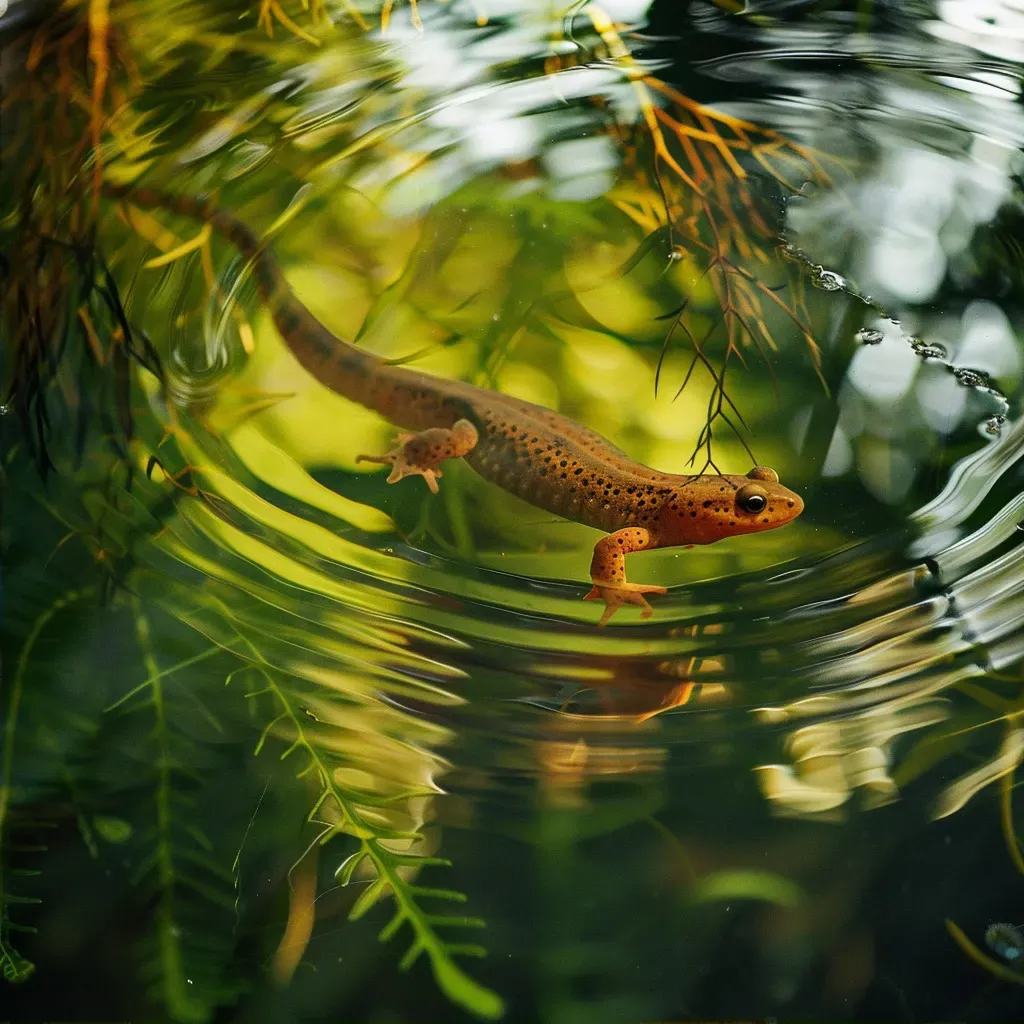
(422, 453)
(608, 573)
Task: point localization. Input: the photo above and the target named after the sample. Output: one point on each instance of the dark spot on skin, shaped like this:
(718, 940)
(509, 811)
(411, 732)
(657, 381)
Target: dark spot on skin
(563, 463)
(791, 504)
(693, 515)
(764, 520)
(564, 475)
(707, 504)
(731, 523)
(543, 472)
(572, 490)
(577, 471)
(616, 491)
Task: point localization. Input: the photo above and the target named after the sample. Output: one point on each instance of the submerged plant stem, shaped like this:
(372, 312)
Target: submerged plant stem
(13, 965)
(1006, 817)
(990, 965)
(173, 980)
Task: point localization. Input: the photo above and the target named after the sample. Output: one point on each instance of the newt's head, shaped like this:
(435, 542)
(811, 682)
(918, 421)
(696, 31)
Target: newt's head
(708, 508)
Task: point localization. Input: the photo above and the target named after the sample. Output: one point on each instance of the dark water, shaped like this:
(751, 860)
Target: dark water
(248, 684)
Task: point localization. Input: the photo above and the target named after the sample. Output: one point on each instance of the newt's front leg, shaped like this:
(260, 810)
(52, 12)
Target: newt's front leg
(422, 453)
(608, 572)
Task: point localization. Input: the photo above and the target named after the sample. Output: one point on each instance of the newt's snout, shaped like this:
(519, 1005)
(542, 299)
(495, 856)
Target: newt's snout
(708, 509)
(760, 503)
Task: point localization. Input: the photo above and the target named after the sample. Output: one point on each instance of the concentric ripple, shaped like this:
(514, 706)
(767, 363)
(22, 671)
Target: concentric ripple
(849, 664)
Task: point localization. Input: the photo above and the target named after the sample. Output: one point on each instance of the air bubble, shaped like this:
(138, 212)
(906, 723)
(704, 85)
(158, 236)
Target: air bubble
(1006, 940)
(676, 255)
(970, 378)
(994, 425)
(830, 281)
(869, 336)
(926, 351)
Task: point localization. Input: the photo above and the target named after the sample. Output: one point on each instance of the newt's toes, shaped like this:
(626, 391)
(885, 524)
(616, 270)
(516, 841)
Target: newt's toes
(617, 594)
(402, 469)
(402, 466)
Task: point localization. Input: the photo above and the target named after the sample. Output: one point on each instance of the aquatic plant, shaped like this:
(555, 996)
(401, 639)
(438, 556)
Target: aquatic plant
(220, 643)
(1004, 939)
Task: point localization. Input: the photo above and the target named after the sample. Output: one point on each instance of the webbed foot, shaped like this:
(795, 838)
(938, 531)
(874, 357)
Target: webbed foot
(420, 454)
(615, 595)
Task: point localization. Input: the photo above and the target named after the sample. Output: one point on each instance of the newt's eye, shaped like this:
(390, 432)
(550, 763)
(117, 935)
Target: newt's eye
(751, 499)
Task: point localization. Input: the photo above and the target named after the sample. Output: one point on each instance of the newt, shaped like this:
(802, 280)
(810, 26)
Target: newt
(532, 452)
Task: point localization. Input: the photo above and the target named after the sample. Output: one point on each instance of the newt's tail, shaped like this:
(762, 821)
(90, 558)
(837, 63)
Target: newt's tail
(341, 366)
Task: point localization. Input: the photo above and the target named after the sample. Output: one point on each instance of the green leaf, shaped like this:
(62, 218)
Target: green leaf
(112, 830)
(14, 967)
(439, 894)
(748, 885)
(412, 954)
(389, 930)
(461, 989)
(347, 868)
(368, 898)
